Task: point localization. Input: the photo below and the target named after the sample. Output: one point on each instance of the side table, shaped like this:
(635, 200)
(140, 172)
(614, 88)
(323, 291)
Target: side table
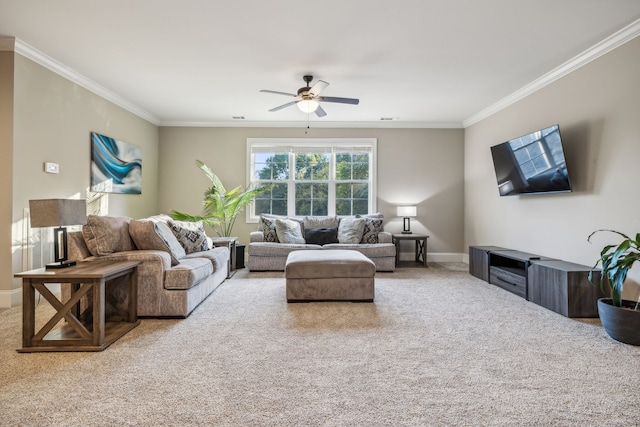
(229, 242)
(421, 246)
(86, 278)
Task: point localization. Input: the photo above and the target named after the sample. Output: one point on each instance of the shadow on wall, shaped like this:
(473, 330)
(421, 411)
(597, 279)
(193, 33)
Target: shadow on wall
(582, 144)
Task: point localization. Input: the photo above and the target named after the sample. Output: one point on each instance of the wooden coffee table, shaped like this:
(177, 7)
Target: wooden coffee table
(86, 278)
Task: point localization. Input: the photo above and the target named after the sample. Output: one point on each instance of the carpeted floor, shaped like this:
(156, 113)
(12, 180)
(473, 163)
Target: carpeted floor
(437, 347)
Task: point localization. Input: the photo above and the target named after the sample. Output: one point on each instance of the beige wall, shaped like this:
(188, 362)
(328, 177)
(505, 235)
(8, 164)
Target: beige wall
(52, 120)
(421, 166)
(6, 169)
(598, 110)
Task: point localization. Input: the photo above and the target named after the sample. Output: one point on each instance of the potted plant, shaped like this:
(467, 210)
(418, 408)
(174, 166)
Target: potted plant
(620, 318)
(221, 207)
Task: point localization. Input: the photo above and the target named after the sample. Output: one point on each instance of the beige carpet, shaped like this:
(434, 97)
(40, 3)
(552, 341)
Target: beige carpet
(438, 347)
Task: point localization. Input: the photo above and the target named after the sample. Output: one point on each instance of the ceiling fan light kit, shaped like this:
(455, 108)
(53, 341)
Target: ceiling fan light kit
(308, 105)
(308, 98)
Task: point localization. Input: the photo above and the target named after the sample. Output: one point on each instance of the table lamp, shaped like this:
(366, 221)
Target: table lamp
(407, 212)
(58, 213)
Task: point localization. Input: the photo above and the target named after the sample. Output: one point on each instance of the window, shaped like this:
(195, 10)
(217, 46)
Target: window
(312, 176)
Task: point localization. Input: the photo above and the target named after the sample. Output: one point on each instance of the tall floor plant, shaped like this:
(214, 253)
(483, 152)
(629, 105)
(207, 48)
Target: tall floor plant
(220, 207)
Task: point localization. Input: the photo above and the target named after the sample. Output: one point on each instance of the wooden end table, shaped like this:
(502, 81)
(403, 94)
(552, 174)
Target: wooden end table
(85, 278)
(421, 246)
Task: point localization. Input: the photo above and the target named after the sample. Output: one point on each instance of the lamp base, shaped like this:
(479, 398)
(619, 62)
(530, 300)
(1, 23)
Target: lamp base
(407, 232)
(61, 264)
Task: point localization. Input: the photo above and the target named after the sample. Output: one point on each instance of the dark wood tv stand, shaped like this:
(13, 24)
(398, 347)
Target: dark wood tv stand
(557, 285)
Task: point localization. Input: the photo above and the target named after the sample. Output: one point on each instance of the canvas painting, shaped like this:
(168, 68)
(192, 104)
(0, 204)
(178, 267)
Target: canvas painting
(116, 166)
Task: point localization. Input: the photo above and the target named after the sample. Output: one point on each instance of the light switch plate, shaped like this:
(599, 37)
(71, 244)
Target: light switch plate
(51, 167)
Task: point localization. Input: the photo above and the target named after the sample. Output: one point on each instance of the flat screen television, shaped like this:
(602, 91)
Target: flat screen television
(531, 164)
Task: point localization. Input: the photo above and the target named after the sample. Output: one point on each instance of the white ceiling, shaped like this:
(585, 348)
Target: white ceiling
(423, 62)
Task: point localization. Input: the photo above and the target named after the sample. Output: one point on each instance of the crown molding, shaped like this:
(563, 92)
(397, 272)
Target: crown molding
(57, 67)
(317, 124)
(615, 40)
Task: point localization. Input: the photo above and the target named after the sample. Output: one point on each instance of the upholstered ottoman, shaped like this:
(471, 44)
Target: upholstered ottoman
(331, 275)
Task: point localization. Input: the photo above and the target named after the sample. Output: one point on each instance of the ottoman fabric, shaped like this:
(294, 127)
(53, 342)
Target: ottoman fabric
(340, 275)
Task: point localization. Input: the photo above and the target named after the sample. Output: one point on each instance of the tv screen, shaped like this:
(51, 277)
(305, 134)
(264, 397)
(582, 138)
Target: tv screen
(532, 163)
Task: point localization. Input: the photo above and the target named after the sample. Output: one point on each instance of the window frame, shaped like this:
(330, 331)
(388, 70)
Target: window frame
(333, 145)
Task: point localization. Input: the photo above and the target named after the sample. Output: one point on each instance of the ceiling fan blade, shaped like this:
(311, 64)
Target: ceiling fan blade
(283, 106)
(318, 87)
(352, 101)
(278, 93)
(320, 112)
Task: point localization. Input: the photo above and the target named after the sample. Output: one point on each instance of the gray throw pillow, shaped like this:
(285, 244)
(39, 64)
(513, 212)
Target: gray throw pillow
(156, 235)
(289, 231)
(350, 230)
(105, 235)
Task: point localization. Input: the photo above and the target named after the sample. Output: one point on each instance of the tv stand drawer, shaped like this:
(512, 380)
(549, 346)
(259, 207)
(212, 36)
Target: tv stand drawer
(508, 281)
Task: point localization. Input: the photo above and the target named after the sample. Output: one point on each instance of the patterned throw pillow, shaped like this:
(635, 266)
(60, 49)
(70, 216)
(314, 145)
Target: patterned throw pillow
(269, 229)
(372, 227)
(190, 235)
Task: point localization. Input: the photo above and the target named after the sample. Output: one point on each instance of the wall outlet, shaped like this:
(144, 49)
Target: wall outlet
(50, 167)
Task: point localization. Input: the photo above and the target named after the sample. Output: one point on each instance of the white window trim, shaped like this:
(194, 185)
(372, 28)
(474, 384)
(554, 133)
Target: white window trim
(369, 143)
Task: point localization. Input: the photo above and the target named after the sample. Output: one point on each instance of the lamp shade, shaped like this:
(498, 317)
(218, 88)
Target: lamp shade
(407, 211)
(57, 212)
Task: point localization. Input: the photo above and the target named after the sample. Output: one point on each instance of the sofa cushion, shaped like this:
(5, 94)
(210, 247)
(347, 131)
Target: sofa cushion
(188, 273)
(321, 236)
(270, 249)
(219, 256)
(156, 235)
(377, 250)
(191, 235)
(107, 234)
(320, 222)
(289, 231)
(350, 230)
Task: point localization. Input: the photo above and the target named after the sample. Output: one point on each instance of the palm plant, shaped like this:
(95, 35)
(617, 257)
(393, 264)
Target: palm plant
(616, 260)
(221, 207)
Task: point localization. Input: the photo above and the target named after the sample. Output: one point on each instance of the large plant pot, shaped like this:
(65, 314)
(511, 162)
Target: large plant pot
(622, 324)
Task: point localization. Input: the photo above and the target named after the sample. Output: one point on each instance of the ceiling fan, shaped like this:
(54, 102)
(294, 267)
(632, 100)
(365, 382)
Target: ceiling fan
(308, 98)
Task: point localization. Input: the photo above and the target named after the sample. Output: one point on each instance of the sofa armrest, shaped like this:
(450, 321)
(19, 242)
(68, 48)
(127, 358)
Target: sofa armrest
(385, 237)
(256, 236)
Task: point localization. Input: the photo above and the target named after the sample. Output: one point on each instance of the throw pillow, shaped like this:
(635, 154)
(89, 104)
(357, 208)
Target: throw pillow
(321, 222)
(107, 234)
(190, 235)
(321, 236)
(289, 231)
(156, 235)
(268, 226)
(350, 230)
(372, 226)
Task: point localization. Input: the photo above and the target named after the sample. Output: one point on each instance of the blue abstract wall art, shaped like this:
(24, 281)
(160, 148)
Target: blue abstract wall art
(116, 166)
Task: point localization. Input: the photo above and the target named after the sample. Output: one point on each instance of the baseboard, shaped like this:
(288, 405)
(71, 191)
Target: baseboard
(435, 257)
(13, 298)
